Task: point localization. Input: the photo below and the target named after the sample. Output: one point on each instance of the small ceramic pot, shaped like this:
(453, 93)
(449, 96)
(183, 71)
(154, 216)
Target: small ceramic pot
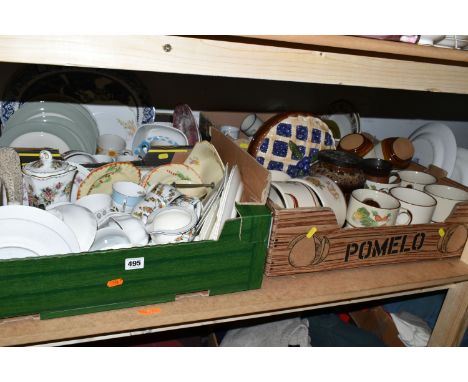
(376, 169)
(341, 167)
(48, 180)
(358, 144)
(398, 151)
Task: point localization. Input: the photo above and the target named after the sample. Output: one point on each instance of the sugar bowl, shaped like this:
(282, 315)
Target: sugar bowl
(48, 181)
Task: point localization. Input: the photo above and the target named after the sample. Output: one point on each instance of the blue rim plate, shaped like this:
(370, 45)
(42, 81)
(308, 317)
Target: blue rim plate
(85, 85)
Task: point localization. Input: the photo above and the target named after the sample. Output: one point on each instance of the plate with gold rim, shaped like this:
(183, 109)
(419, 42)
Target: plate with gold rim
(175, 173)
(100, 180)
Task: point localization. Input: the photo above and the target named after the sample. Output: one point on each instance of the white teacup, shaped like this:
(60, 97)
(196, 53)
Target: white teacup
(386, 187)
(99, 204)
(134, 228)
(110, 238)
(447, 197)
(416, 179)
(251, 124)
(230, 131)
(110, 144)
(126, 195)
(372, 208)
(101, 158)
(418, 204)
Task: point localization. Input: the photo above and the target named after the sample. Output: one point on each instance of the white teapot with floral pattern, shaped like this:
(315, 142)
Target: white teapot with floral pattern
(48, 181)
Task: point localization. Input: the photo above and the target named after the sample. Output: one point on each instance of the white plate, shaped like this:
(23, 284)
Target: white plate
(227, 202)
(29, 231)
(460, 170)
(435, 143)
(80, 220)
(40, 139)
(115, 119)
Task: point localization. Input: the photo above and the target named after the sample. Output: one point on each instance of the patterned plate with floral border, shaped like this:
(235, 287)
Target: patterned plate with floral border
(271, 144)
(85, 85)
(175, 173)
(100, 180)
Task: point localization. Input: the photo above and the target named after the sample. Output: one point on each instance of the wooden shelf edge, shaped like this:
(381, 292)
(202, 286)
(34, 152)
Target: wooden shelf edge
(373, 45)
(210, 57)
(277, 295)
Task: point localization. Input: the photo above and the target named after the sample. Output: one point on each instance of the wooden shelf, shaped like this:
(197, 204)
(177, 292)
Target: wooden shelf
(203, 56)
(277, 295)
(372, 46)
(328, 60)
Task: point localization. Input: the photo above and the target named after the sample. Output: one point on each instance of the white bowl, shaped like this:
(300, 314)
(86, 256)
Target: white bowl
(110, 238)
(133, 228)
(157, 134)
(81, 221)
(329, 194)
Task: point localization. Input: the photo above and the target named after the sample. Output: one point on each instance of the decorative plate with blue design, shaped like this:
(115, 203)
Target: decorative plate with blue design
(271, 148)
(86, 86)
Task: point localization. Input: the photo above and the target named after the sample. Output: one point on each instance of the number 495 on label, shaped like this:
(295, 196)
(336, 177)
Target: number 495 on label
(134, 263)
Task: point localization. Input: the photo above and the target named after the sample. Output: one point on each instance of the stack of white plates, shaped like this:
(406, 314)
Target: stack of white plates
(460, 170)
(434, 143)
(62, 126)
(29, 231)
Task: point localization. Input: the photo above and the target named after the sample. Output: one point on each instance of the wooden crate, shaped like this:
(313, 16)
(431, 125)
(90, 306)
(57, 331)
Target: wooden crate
(309, 239)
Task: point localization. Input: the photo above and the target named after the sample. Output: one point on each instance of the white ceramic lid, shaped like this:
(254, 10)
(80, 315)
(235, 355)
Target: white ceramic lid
(47, 166)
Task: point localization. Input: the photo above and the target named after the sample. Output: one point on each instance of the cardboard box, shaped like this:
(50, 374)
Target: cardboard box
(62, 285)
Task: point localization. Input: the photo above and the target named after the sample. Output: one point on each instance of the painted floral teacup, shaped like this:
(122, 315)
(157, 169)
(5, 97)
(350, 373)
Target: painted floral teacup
(150, 203)
(166, 192)
(371, 208)
(190, 202)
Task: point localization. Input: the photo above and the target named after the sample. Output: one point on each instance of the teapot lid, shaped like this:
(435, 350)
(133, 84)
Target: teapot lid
(47, 166)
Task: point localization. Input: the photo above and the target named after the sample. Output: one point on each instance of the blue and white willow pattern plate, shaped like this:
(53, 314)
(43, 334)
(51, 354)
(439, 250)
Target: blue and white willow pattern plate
(84, 85)
(308, 133)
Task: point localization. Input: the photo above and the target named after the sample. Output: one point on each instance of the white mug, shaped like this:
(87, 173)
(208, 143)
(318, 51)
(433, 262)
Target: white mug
(416, 179)
(417, 203)
(447, 197)
(251, 124)
(372, 208)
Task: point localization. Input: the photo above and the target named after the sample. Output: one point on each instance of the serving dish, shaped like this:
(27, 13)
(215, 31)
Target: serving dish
(271, 144)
